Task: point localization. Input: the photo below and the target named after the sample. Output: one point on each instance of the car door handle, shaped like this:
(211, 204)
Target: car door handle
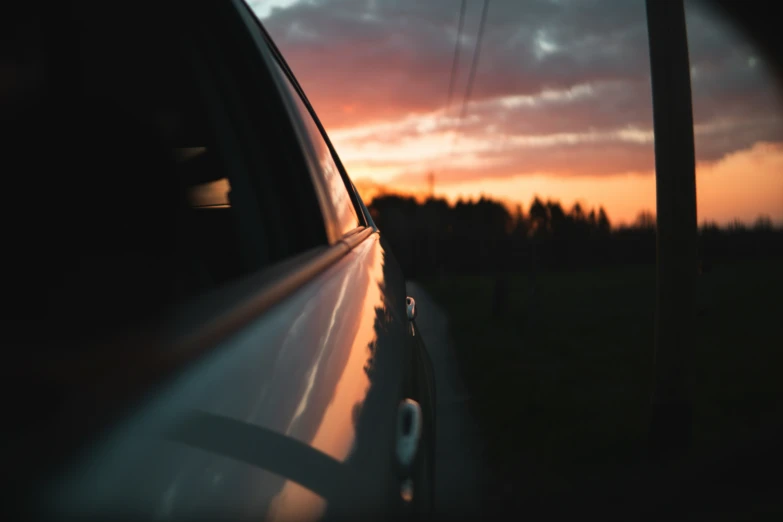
(409, 424)
(410, 308)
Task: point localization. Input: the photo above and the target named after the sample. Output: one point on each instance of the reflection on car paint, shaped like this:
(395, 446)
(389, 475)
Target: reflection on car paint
(346, 213)
(304, 371)
(296, 502)
(347, 218)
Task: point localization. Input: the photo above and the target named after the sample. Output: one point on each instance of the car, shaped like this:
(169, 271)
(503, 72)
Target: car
(206, 322)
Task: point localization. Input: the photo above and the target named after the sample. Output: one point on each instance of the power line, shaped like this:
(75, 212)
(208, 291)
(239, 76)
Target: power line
(474, 63)
(471, 76)
(455, 61)
(452, 81)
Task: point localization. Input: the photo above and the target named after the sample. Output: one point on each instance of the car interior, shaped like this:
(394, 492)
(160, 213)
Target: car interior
(158, 84)
(129, 84)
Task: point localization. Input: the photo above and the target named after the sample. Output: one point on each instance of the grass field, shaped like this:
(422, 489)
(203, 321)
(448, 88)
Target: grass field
(562, 381)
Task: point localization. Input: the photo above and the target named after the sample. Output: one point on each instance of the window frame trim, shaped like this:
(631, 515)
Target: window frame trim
(268, 46)
(328, 208)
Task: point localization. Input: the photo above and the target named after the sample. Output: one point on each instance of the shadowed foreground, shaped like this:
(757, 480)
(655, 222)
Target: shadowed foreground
(561, 386)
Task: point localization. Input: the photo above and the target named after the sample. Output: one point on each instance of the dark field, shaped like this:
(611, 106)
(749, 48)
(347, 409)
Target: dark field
(561, 381)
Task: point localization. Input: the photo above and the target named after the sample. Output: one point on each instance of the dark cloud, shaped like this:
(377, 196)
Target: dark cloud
(365, 61)
(385, 58)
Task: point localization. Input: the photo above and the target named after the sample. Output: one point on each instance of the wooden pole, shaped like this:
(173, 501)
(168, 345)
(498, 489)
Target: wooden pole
(675, 179)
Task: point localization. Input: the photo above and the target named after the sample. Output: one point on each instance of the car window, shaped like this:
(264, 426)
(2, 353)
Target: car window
(159, 85)
(127, 133)
(346, 217)
(218, 238)
(215, 246)
(281, 180)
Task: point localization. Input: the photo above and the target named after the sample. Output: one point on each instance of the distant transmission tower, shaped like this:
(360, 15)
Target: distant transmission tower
(431, 181)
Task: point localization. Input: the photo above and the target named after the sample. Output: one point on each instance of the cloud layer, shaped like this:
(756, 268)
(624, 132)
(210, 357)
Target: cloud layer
(562, 86)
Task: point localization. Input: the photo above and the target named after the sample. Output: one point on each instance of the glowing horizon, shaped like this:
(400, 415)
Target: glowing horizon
(624, 196)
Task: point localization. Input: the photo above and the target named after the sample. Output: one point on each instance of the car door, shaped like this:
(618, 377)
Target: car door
(282, 384)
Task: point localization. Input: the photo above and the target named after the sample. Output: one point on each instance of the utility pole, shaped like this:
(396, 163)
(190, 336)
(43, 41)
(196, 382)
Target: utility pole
(675, 180)
(432, 223)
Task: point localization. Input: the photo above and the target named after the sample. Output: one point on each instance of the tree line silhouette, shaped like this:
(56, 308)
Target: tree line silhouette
(483, 236)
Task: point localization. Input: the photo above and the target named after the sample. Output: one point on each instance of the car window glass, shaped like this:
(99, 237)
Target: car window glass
(152, 85)
(347, 218)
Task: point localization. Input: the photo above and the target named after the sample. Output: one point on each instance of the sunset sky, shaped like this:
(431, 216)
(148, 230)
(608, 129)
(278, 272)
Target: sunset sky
(560, 106)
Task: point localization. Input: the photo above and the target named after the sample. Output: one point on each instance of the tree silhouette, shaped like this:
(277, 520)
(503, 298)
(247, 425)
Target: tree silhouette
(557, 217)
(521, 226)
(645, 220)
(483, 237)
(763, 223)
(604, 225)
(539, 217)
